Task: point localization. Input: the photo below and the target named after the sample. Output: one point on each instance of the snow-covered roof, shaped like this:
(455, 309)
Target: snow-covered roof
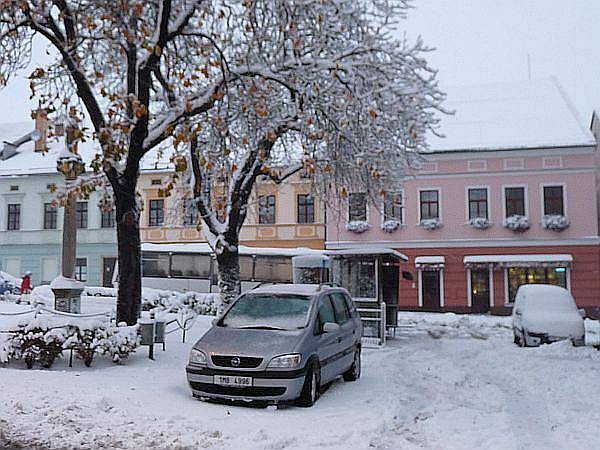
(28, 162)
(429, 260)
(517, 115)
(204, 248)
(478, 259)
(368, 251)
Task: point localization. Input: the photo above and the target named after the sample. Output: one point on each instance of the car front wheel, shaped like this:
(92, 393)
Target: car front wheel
(353, 373)
(310, 390)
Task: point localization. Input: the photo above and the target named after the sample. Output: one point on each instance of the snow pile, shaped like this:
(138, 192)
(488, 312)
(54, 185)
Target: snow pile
(517, 223)
(196, 302)
(389, 226)
(97, 291)
(555, 222)
(4, 276)
(450, 325)
(358, 226)
(430, 224)
(481, 223)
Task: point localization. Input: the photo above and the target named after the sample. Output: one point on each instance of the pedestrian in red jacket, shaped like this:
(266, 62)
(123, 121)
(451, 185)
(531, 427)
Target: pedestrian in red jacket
(26, 284)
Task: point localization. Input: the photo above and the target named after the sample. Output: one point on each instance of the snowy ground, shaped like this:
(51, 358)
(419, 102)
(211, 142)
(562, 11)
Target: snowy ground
(449, 382)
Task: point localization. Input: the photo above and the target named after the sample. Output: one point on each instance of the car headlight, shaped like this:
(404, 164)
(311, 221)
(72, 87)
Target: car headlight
(285, 361)
(197, 357)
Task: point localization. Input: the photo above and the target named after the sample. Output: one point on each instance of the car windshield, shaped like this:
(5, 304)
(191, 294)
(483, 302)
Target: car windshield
(268, 311)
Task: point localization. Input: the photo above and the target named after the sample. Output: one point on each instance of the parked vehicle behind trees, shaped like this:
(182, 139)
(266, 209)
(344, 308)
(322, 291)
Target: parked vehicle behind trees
(543, 314)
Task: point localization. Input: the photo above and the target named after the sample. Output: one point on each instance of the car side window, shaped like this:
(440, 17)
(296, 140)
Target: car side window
(326, 314)
(342, 314)
(351, 307)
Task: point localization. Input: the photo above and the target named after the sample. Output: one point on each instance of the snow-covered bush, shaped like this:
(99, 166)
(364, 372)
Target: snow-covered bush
(358, 226)
(389, 226)
(86, 341)
(555, 222)
(196, 302)
(430, 224)
(517, 223)
(37, 341)
(481, 223)
(122, 340)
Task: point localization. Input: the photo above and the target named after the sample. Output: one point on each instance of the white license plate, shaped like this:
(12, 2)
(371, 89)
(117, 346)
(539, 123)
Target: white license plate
(229, 380)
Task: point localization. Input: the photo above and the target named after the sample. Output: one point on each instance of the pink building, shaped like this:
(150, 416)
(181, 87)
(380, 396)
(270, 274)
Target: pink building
(508, 197)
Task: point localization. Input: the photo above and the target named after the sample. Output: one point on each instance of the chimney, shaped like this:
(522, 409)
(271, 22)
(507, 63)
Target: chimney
(41, 125)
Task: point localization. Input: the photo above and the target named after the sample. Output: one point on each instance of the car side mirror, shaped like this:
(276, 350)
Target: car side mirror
(330, 327)
(582, 313)
(215, 322)
(517, 312)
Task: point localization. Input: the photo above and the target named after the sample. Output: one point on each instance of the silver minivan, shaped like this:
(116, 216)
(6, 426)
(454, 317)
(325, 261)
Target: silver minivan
(278, 343)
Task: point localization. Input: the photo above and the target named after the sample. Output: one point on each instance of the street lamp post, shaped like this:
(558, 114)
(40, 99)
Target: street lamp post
(67, 290)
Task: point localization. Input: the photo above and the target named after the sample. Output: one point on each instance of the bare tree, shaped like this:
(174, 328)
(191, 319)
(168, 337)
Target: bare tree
(322, 87)
(136, 69)
(244, 85)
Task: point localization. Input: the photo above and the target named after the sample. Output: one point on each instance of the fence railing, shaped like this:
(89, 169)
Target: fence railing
(373, 317)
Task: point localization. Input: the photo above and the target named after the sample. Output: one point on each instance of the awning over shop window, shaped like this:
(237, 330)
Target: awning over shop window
(429, 262)
(519, 260)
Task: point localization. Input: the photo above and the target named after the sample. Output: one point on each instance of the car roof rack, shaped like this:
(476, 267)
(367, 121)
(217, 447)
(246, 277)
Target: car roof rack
(328, 283)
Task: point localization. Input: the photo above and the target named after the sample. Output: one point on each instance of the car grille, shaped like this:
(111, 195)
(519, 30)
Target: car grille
(246, 362)
(251, 391)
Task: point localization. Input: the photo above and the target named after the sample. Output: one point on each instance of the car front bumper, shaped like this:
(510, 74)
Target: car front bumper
(545, 338)
(270, 386)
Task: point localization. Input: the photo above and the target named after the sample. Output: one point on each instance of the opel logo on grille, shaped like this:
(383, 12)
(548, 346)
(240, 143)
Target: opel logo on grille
(235, 361)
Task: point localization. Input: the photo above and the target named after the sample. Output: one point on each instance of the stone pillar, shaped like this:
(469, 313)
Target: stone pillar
(69, 238)
(67, 290)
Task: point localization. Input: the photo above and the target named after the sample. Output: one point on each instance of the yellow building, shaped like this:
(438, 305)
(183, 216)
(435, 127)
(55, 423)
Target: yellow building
(280, 215)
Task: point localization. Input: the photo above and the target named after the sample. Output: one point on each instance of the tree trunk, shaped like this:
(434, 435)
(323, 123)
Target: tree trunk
(228, 266)
(130, 274)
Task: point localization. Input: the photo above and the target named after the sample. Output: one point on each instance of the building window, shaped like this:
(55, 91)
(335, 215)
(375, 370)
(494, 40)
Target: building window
(14, 188)
(157, 213)
(554, 201)
(50, 216)
(14, 217)
(393, 206)
(357, 207)
(266, 209)
(81, 269)
(107, 218)
(478, 203)
(430, 204)
(190, 213)
(515, 201)
(306, 208)
(518, 276)
(81, 214)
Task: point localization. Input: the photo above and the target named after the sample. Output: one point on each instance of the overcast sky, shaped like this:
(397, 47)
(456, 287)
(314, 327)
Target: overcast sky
(476, 41)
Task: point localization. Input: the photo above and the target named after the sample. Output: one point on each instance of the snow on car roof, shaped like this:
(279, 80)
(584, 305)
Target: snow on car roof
(516, 115)
(299, 289)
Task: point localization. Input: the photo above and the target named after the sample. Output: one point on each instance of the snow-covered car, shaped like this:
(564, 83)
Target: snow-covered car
(544, 314)
(278, 344)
